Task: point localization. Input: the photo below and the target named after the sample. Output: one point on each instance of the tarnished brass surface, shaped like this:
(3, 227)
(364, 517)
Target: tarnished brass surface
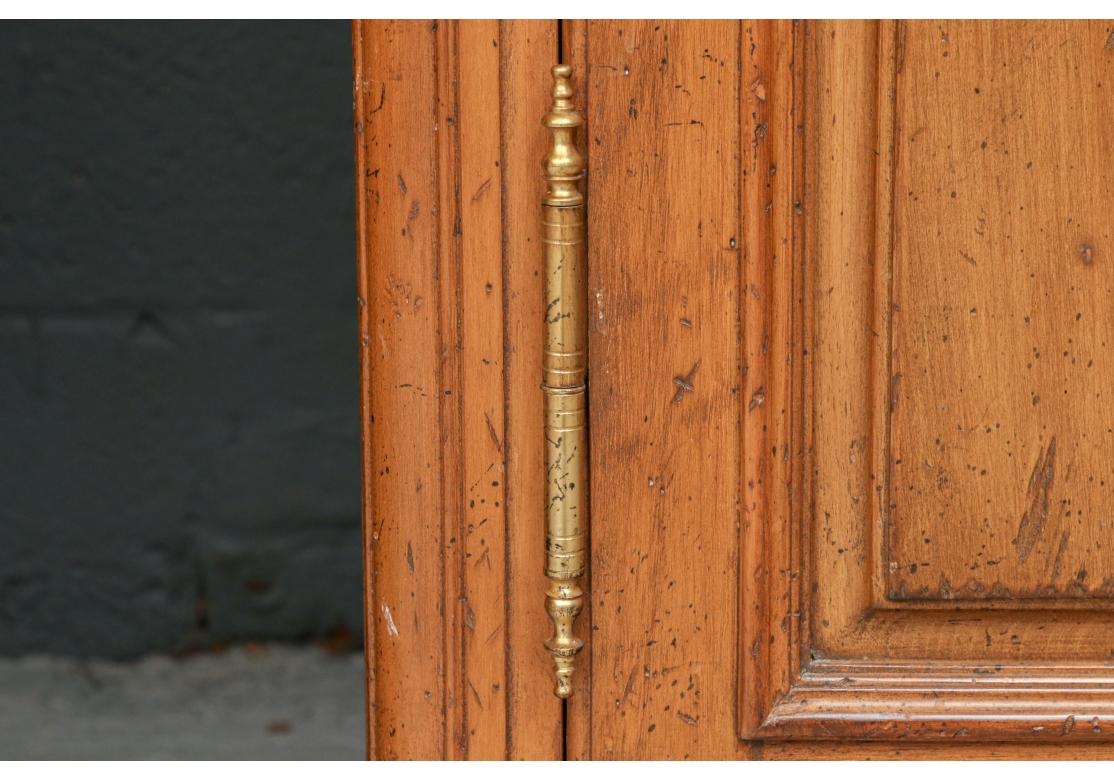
(564, 367)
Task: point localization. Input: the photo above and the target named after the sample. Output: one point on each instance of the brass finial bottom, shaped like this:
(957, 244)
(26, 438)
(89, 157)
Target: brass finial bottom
(563, 602)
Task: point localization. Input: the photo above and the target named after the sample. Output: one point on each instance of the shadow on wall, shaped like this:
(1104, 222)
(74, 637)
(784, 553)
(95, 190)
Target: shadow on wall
(179, 439)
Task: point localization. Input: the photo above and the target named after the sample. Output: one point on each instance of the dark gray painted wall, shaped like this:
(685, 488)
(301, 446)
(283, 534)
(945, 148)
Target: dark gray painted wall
(179, 457)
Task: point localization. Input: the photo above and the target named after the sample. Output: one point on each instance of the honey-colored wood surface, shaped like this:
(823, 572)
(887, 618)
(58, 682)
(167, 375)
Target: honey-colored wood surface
(995, 671)
(1003, 440)
(745, 508)
(665, 385)
(772, 449)
(785, 222)
(448, 182)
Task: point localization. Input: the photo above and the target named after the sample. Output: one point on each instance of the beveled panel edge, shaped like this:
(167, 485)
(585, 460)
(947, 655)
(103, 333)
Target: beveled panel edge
(794, 695)
(772, 410)
(846, 701)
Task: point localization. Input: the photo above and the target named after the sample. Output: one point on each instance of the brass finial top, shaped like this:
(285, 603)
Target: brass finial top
(563, 164)
(562, 89)
(562, 113)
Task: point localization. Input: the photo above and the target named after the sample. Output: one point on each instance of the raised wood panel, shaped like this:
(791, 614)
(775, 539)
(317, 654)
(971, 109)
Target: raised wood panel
(884, 393)
(448, 149)
(1002, 482)
(794, 635)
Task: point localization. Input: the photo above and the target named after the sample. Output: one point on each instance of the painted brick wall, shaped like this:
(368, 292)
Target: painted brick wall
(179, 443)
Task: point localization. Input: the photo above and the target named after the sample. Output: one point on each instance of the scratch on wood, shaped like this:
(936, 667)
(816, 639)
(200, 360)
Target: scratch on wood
(370, 84)
(484, 558)
(899, 46)
(629, 689)
(482, 189)
(409, 557)
(757, 399)
(392, 629)
(760, 131)
(1040, 484)
(1086, 254)
(684, 383)
(491, 432)
(895, 386)
(1058, 562)
(759, 89)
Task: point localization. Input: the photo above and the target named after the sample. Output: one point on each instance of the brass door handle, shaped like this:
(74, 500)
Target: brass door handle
(564, 379)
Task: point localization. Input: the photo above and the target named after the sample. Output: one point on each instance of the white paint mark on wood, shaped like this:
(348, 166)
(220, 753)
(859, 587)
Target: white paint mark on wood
(392, 629)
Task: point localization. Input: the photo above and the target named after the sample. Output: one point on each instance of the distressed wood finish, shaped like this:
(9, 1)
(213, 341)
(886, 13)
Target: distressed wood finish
(850, 471)
(1002, 316)
(665, 374)
(849, 140)
(448, 147)
(869, 665)
(772, 218)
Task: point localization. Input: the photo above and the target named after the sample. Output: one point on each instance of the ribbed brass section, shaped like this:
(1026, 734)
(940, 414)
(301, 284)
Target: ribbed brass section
(564, 368)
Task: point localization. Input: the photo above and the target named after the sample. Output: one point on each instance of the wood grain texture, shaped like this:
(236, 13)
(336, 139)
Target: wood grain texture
(665, 374)
(822, 654)
(448, 148)
(771, 181)
(775, 257)
(860, 666)
(404, 624)
(1001, 317)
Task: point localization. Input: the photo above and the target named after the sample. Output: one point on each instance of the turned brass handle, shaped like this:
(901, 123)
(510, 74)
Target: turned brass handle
(564, 372)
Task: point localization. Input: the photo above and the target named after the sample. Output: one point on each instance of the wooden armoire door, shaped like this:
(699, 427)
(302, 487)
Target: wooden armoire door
(850, 358)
